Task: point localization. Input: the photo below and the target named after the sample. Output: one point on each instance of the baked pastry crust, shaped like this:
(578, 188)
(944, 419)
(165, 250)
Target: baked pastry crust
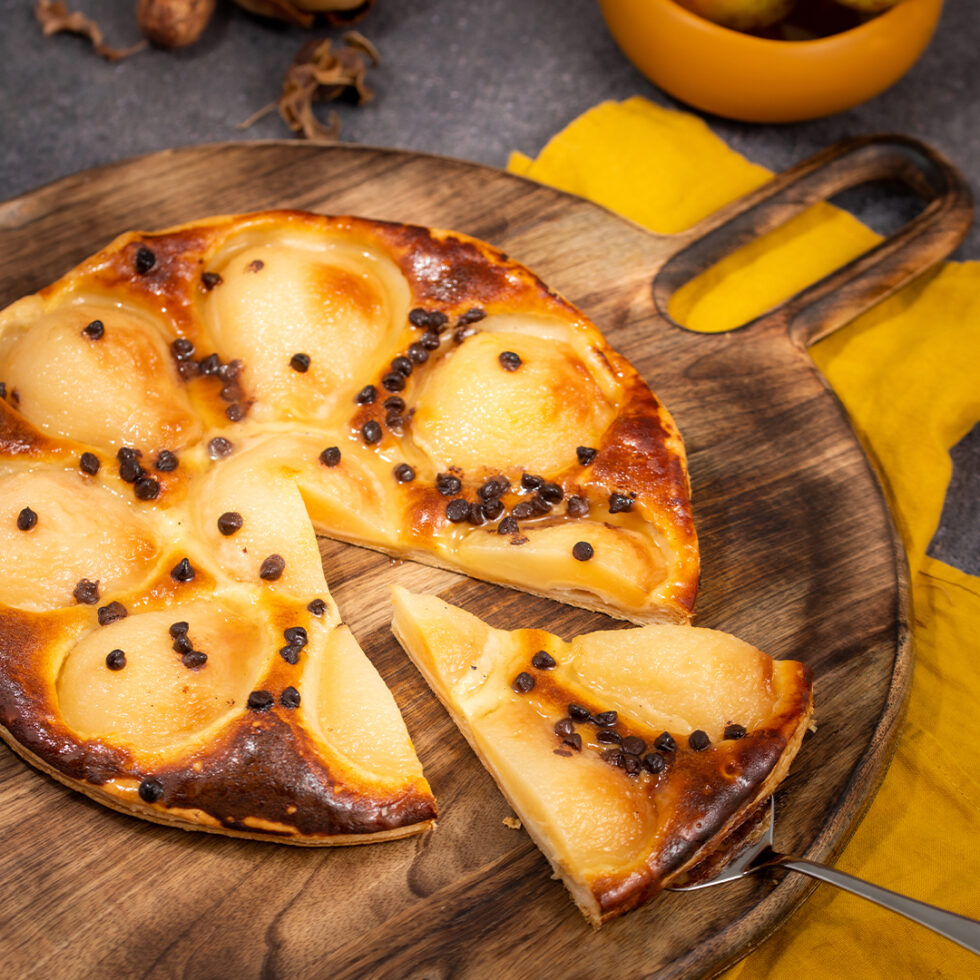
(188, 406)
(574, 736)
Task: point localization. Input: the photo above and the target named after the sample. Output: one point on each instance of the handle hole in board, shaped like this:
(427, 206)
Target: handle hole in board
(760, 275)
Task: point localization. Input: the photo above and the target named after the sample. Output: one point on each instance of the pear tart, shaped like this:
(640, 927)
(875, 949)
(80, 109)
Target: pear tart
(183, 412)
(629, 755)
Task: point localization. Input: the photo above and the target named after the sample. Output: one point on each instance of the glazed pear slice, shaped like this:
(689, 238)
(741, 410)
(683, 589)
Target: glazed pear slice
(629, 755)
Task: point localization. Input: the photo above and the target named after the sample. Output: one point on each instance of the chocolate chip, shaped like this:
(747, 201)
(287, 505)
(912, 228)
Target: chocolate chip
(402, 365)
(619, 503)
(166, 462)
(734, 732)
(150, 790)
(429, 340)
(604, 719)
(523, 682)
(210, 279)
(490, 490)
(110, 613)
(290, 653)
(477, 515)
(543, 660)
(300, 362)
(508, 526)
(631, 763)
(371, 432)
(579, 712)
(330, 456)
(608, 735)
(145, 260)
(634, 744)
(272, 568)
(178, 629)
(95, 330)
(296, 636)
(261, 700)
(86, 592)
(231, 370)
(574, 740)
(289, 697)
(447, 484)
(194, 660)
(585, 455)
(523, 510)
(654, 762)
(577, 507)
(472, 315)
(89, 463)
(613, 756)
(582, 551)
(509, 361)
(493, 509)
(394, 403)
(404, 473)
(146, 488)
(220, 447)
(366, 395)
(698, 740)
(393, 381)
(182, 348)
(417, 353)
(26, 519)
(564, 727)
(183, 571)
(458, 510)
(256, 265)
(230, 522)
(551, 492)
(538, 505)
(665, 742)
(115, 660)
(235, 413)
(318, 607)
(182, 644)
(210, 365)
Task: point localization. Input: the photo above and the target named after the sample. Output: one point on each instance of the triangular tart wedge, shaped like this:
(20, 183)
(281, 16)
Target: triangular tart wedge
(181, 413)
(628, 755)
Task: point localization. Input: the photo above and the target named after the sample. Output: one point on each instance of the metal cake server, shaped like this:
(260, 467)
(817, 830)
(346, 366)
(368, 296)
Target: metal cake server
(761, 856)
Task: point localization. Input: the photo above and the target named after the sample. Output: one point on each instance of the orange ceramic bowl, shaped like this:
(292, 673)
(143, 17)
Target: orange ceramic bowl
(759, 80)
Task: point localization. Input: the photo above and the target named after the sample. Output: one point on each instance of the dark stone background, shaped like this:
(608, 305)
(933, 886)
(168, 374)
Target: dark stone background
(467, 79)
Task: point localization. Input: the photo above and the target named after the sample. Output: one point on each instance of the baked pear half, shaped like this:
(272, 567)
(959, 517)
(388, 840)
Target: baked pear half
(628, 755)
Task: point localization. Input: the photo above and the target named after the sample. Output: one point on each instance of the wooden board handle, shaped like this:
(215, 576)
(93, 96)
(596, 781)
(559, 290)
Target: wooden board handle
(839, 297)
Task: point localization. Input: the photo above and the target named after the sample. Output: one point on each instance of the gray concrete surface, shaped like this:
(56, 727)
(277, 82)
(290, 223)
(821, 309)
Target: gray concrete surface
(467, 79)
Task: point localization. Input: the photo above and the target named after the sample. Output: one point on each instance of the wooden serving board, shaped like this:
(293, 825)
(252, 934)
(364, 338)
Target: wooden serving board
(799, 557)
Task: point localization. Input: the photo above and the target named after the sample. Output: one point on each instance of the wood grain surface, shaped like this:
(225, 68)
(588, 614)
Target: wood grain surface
(799, 557)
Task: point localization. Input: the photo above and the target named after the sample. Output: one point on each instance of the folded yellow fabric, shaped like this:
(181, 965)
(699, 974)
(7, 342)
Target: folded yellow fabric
(907, 372)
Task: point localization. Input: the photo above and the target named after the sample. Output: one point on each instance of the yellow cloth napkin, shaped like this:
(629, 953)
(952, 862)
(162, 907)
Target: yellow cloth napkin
(907, 372)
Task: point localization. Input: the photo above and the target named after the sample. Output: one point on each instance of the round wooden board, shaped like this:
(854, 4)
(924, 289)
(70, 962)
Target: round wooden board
(799, 557)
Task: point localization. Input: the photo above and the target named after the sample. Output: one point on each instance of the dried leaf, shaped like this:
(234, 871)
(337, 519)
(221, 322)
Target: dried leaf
(54, 17)
(320, 73)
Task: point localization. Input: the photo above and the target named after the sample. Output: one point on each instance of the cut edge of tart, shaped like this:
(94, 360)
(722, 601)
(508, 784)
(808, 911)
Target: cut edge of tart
(628, 755)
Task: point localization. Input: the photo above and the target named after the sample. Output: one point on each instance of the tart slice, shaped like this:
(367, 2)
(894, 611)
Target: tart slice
(628, 755)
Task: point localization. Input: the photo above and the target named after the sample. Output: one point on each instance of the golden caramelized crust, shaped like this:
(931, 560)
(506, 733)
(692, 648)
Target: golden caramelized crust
(184, 411)
(628, 755)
